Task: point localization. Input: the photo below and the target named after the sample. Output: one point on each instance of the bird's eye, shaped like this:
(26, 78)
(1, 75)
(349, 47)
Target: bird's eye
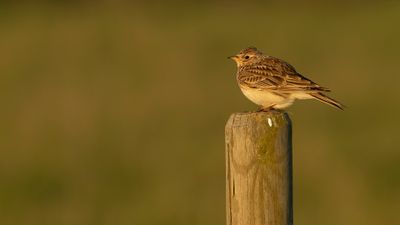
(247, 57)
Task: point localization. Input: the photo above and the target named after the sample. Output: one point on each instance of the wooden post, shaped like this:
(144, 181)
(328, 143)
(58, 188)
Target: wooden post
(259, 169)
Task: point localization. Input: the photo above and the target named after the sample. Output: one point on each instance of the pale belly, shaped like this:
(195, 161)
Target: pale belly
(267, 99)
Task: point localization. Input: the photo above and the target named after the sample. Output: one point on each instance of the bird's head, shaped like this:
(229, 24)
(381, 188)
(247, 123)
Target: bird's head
(247, 56)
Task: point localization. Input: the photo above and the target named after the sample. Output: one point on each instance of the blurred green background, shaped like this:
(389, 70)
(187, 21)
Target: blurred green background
(114, 112)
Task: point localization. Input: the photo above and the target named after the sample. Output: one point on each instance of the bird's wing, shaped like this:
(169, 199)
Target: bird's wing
(275, 74)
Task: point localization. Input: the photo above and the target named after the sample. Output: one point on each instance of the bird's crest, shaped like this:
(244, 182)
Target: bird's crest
(249, 50)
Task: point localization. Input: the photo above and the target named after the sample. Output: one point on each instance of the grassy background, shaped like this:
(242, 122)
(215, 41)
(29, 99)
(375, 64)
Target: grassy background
(114, 112)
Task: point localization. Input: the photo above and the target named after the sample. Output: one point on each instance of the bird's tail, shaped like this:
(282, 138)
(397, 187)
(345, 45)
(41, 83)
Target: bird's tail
(325, 99)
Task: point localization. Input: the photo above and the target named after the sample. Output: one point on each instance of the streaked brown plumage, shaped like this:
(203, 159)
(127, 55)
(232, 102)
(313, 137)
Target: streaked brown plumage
(273, 83)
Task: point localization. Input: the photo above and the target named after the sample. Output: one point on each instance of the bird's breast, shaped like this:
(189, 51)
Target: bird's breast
(262, 97)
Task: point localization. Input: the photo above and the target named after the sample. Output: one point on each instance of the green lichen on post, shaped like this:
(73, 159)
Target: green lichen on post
(271, 124)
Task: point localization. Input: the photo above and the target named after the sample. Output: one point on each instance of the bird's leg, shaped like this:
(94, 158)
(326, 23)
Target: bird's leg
(266, 109)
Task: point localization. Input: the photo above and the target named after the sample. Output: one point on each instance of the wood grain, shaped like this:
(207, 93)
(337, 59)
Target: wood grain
(259, 169)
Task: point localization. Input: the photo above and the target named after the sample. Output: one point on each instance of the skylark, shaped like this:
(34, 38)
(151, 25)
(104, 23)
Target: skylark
(273, 83)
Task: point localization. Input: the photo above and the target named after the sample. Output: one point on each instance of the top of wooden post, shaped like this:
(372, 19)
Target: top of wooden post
(272, 118)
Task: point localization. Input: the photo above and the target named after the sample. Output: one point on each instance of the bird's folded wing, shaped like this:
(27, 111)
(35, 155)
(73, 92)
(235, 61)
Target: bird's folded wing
(267, 78)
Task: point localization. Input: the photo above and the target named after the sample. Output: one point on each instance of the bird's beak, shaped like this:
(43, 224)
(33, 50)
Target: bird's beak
(234, 57)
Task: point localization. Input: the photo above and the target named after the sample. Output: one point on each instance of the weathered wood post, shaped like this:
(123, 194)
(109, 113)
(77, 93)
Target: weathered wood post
(259, 169)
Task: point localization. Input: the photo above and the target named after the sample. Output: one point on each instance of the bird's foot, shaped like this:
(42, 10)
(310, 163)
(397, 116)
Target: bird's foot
(266, 109)
(269, 109)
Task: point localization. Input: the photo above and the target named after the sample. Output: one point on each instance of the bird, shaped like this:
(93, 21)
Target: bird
(274, 84)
